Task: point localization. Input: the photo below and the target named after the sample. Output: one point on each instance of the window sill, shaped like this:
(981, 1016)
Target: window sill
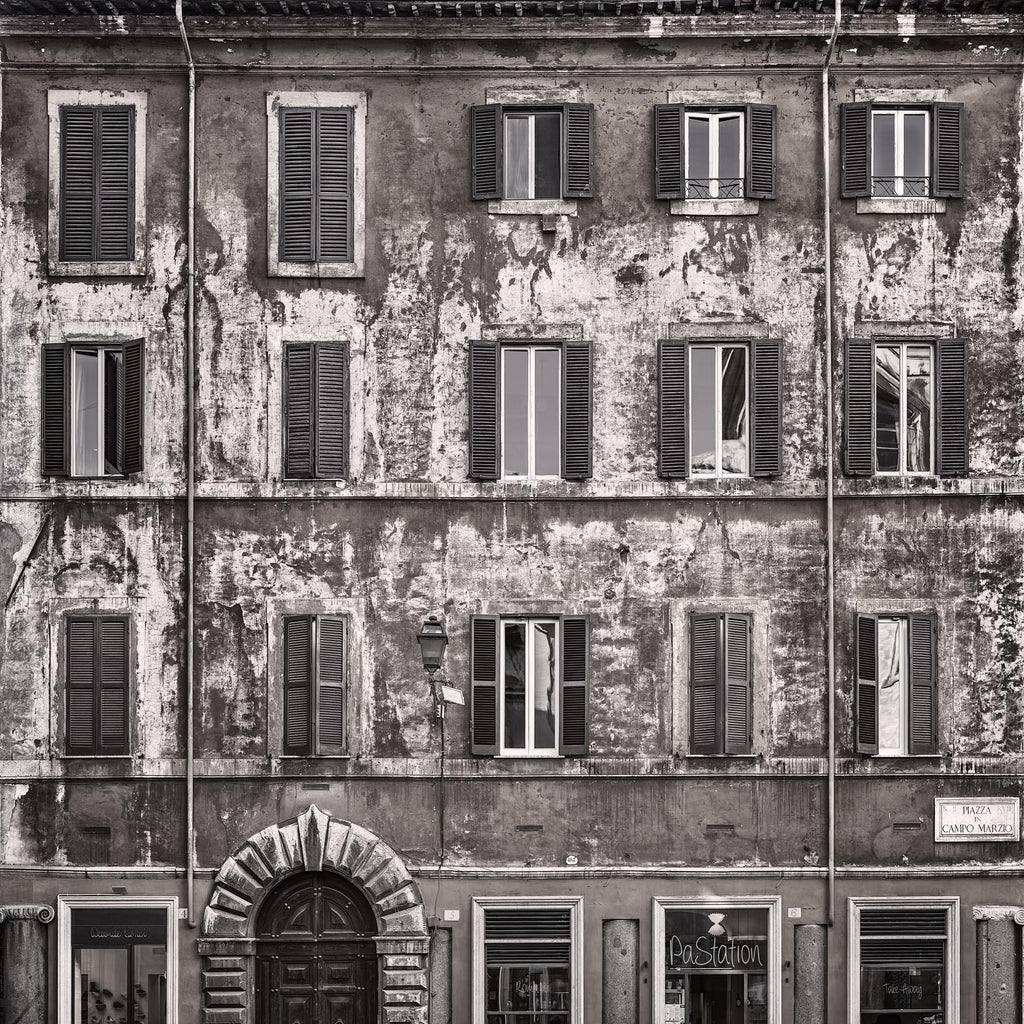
(533, 207)
(315, 757)
(276, 268)
(520, 756)
(722, 757)
(715, 207)
(919, 206)
(126, 268)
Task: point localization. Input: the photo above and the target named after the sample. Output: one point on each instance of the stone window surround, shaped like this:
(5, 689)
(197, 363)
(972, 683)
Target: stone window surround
(317, 98)
(67, 904)
(574, 904)
(55, 99)
(773, 904)
(951, 904)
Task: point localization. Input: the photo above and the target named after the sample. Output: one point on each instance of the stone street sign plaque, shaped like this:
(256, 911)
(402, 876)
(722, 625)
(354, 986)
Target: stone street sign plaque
(992, 820)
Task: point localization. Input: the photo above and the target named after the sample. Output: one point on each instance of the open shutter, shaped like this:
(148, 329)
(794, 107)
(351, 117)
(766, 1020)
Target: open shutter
(766, 408)
(331, 417)
(705, 684)
(484, 437)
(668, 151)
(573, 710)
(923, 685)
(483, 674)
(330, 692)
(672, 455)
(113, 410)
(577, 410)
(579, 150)
(947, 150)
(116, 184)
(298, 411)
(334, 185)
(760, 151)
(113, 703)
(953, 420)
(54, 398)
(298, 677)
(81, 685)
(486, 144)
(860, 407)
(737, 684)
(855, 146)
(133, 389)
(866, 697)
(78, 184)
(297, 227)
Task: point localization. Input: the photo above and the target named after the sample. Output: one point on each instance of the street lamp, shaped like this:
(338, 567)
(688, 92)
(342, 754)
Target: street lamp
(433, 640)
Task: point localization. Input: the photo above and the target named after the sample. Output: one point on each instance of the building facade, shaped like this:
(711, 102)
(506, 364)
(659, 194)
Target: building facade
(669, 353)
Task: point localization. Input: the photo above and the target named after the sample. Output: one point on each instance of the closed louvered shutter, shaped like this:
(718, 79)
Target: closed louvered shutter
(866, 695)
(331, 660)
(860, 407)
(672, 453)
(81, 686)
(298, 411)
(575, 685)
(54, 398)
(766, 421)
(579, 150)
(331, 413)
(577, 410)
(486, 146)
(132, 404)
(298, 671)
(116, 231)
(705, 684)
(113, 663)
(923, 685)
(760, 151)
(953, 419)
(334, 185)
(668, 151)
(484, 446)
(483, 672)
(737, 684)
(855, 146)
(531, 936)
(97, 685)
(297, 229)
(903, 938)
(947, 150)
(78, 181)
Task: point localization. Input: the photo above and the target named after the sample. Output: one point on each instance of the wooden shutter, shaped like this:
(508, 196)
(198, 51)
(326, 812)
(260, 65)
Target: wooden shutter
(297, 217)
(575, 686)
(579, 150)
(738, 697)
(78, 184)
(298, 411)
(97, 685)
(334, 184)
(132, 404)
(947, 150)
(760, 177)
(705, 684)
(855, 146)
(113, 688)
(484, 436)
(331, 684)
(82, 649)
(113, 408)
(55, 404)
(483, 674)
(866, 696)
(487, 149)
(952, 410)
(331, 412)
(669, 160)
(673, 459)
(923, 685)
(860, 407)
(577, 410)
(116, 229)
(298, 678)
(766, 407)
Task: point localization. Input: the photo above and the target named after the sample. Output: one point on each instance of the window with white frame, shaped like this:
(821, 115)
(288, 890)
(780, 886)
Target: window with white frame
(904, 408)
(531, 411)
(900, 151)
(533, 154)
(529, 686)
(719, 404)
(714, 154)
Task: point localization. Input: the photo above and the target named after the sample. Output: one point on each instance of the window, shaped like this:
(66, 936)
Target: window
(316, 410)
(906, 407)
(899, 153)
(523, 153)
(530, 414)
(97, 685)
(719, 408)
(714, 155)
(527, 961)
(92, 409)
(720, 684)
(315, 683)
(896, 698)
(530, 681)
(904, 963)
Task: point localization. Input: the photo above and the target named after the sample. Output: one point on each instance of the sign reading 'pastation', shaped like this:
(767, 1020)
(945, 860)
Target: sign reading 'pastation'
(992, 820)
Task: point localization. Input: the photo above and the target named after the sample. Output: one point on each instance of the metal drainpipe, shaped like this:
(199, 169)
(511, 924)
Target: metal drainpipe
(830, 576)
(190, 447)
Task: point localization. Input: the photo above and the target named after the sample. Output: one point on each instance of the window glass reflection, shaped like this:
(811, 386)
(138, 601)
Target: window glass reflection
(515, 685)
(86, 396)
(892, 679)
(517, 156)
(113, 411)
(887, 408)
(730, 173)
(544, 683)
(703, 426)
(547, 172)
(734, 411)
(515, 405)
(883, 153)
(914, 154)
(698, 157)
(528, 994)
(547, 412)
(919, 409)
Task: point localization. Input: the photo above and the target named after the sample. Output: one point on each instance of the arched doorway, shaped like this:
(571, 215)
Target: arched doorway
(316, 960)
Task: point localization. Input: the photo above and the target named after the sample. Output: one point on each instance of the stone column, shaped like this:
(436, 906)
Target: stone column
(620, 982)
(403, 979)
(810, 988)
(999, 998)
(24, 955)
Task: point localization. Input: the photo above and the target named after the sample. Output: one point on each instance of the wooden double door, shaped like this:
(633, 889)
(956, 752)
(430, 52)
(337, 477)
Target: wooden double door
(318, 983)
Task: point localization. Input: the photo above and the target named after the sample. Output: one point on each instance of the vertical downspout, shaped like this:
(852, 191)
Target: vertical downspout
(830, 575)
(190, 486)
